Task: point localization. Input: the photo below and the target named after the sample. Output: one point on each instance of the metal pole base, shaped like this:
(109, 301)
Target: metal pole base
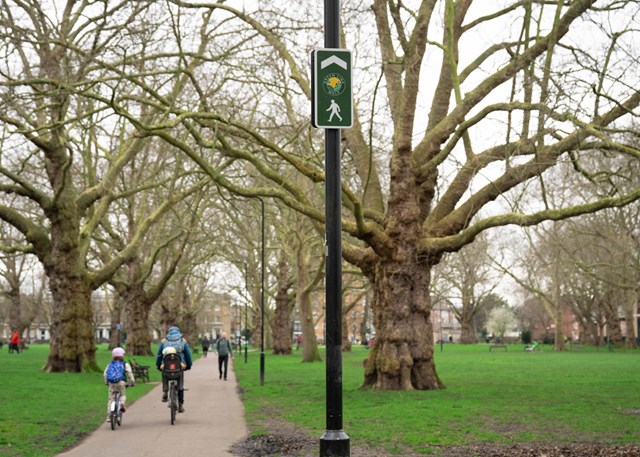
(262, 368)
(334, 443)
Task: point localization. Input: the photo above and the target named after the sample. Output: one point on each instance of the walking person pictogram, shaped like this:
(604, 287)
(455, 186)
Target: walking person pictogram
(335, 110)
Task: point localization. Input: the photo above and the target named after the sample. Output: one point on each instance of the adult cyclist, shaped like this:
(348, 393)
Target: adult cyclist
(175, 340)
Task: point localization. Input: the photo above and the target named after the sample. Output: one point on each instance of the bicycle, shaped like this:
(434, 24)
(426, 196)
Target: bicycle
(172, 371)
(173, 399)
(115, 414)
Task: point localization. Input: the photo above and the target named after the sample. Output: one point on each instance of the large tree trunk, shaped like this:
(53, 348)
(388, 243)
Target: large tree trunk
(558, 317)
(611, 324)
(347, 310)
(115, 333)
(592, 334)
(614, 332)
(255, 313)
(256, 335)
(282, 329)
(282, 343)
(558, 334)
(72, 331)
(171, 307)
(137, 310)
(309, 341)
(189, 327)
(15, 314)
(346, 341)
(468, 330)
(72, 334)
(402, 355)
(13, 294)
(20, 317)
(630, 306)
(364, 324)
(310, 351)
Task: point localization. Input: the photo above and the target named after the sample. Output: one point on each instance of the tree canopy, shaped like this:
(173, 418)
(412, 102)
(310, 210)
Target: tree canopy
(463, 109)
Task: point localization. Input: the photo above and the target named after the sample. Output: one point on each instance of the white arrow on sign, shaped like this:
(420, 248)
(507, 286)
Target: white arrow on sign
(333, 59)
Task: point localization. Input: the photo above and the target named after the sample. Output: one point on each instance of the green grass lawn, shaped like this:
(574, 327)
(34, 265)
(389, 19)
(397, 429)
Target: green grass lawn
(44, 413)
(491, 397)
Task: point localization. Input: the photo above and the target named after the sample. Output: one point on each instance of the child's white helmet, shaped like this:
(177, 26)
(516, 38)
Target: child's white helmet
(117, 352)
(169, 350)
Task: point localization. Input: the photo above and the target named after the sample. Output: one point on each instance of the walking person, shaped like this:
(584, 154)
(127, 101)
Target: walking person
(14, 342)
(335, 110)
(174, 340)
(205, 345)
(223, 348)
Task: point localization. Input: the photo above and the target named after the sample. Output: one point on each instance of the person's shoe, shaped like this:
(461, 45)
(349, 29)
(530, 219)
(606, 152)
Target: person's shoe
(108, 418)
(122, 409)
(220, 377)
(180, 408)
(165, 397)
(225, 379)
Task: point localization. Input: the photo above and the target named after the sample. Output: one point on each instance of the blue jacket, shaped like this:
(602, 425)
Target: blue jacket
(174, 339)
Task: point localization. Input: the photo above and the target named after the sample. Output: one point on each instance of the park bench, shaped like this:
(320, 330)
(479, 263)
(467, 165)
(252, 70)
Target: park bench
(497, 346)
(140, 372)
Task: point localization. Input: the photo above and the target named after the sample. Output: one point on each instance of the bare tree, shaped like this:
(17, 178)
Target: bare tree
(500, 321)
(590, 262)
(420, 180)
(527, 86)
(467, 278)
(64, 146)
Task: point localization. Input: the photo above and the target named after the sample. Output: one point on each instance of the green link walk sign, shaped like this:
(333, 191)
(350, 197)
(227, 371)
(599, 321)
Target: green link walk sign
(331, 84)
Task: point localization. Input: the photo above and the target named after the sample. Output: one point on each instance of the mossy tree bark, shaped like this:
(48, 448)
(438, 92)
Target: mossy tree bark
(305, 286)
(468, 331)
(72, 331)
(402, 355)
(282, 330)
(137, 309)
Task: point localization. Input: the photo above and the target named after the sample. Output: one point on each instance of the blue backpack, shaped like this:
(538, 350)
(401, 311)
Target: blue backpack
(177, 344)
(115, 371)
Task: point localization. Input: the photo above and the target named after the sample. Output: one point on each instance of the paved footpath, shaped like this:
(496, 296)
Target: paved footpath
(212, 422)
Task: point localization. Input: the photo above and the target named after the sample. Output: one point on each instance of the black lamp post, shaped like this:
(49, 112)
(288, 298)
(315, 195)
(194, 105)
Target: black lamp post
(262, 301)
(246, 313)
(246, 333)
(334, 442)
(239, 311)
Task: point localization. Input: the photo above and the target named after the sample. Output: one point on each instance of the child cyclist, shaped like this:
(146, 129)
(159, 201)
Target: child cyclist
(115, 376)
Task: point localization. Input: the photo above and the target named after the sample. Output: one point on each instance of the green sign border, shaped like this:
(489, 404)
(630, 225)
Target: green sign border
(321, 99)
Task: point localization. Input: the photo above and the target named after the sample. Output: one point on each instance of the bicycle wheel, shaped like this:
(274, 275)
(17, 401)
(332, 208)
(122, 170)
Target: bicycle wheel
(173, 402)
(113, 420)
(119, 417)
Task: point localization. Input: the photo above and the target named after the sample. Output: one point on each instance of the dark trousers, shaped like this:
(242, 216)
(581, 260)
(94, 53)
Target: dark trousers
(165, 386)
(223, 360)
